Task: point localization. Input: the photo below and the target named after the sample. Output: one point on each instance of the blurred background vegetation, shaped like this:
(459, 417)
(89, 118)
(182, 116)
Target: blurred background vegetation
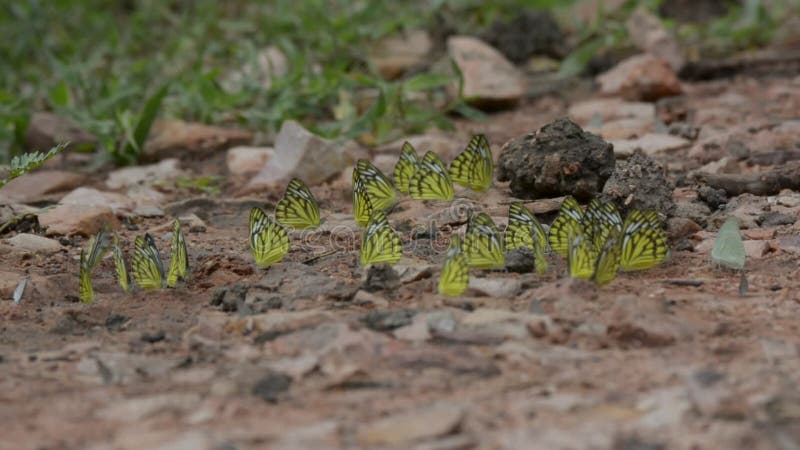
(113, 66)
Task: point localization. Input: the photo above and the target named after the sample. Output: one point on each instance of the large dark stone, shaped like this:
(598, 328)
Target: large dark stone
(529, 33)
(640, 182)
(558, 159)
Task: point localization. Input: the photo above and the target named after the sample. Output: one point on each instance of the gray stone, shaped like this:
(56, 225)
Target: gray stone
(640, 77)
(246, 160)
(413, 425)
(35, 244)
(640, 182)
(165, 170)
(490, 80)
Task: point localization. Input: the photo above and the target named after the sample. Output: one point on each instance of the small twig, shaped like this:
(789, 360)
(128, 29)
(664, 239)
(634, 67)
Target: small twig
(316, 257)
(692, 283)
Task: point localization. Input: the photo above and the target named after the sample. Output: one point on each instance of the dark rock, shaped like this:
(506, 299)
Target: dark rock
(640, 182)
(708, 377)
(636, 443)
(116, 322)
(675, 109)
(299, 281)
(684, 130)
(774, 219)
(271, 386)
(228, 298)
(381, 277)
(714, 198)
(152, 338)
(558, 159)
(695, 211)
(382, 320)
(520, 260)
(694, 10)
(529, 33)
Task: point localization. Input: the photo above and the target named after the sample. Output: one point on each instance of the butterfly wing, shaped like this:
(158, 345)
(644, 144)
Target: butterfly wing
(405, 167)
(431, 180)
(298, 208)
(96, 249)
(581, 257)
(380, 190)
(146, 265)
(179, 263)
(601, 221)
(728, 247)
(644, 243)
(523, 228)
(483, 246)
(119, 265)
(380, 243)
(454, 278)
(362, 206)
(608, 262)
(566, 225)
(539, 261)
(85, 290)
(269, 240)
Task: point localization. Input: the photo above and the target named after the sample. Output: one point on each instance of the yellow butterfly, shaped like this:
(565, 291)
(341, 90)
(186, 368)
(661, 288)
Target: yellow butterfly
(119, 265)
(454, 277)
(431, 181)
(405, 167)
(607, 265)
(94, 252)
(379, 189)
(566, 225)
(474, 167)
(179, 262)
(269, 240)
(644, 243)
(581, 257)
(483, 246)
(146, 265)
(85, 290)
(298, 208)
(362, 206)
(600, 222)
(380, 243)
(523, 229)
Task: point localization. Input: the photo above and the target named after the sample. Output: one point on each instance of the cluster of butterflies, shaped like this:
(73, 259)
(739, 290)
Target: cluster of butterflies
(596, 242)
(147, 267)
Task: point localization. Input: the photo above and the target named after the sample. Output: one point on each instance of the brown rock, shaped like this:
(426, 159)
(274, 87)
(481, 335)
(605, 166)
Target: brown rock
(247, 160)
(607, 109)
(412, 426)
(395, 55)
(84, 196)
(648, 33)
(756, 249)
(37, 185)
(639, 322)
(35, 244)
(84, 220)
(681, 227)
(46, 129)
(641, 77)
(490, 80)
(171, 138)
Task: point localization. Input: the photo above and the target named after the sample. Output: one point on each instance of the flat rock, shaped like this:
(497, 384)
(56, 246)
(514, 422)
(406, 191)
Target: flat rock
(84, 196)
(167, 169)
(756, 249)
(395, 55)
(302, 154)
(640, 77)
(84, 220)
(651, 144)
(175, 138)
(608, 109)
(495, 287)
(36, 186)
(490, 80)
(247, 160)
(34, 244)
(414, 425)
(558, 159)
(46, 130)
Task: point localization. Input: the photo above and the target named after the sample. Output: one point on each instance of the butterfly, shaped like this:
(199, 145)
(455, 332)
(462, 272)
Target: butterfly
(298, 208)
(454, 277)
(473, 168)
(119, 265)
(379, 189)
(380, 243)
(269, 240)
(607, 266)
(581, 257)
(179, 262)
(565, 226)
(362, 205)
(601, 221)
(405, 167)
(644, 243)
(483, 246)
(90, 257)
(728, 248)
(146, 265)
(431, 181)
(523, 229)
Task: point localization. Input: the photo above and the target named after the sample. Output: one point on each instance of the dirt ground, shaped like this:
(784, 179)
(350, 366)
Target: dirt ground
(304, 356)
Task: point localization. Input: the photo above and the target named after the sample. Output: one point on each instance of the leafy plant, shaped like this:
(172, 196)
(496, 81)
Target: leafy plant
(27, 162)
(135, 135)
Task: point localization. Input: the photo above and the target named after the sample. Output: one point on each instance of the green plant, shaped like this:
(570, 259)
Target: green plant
(27, 162)
(135, 135)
